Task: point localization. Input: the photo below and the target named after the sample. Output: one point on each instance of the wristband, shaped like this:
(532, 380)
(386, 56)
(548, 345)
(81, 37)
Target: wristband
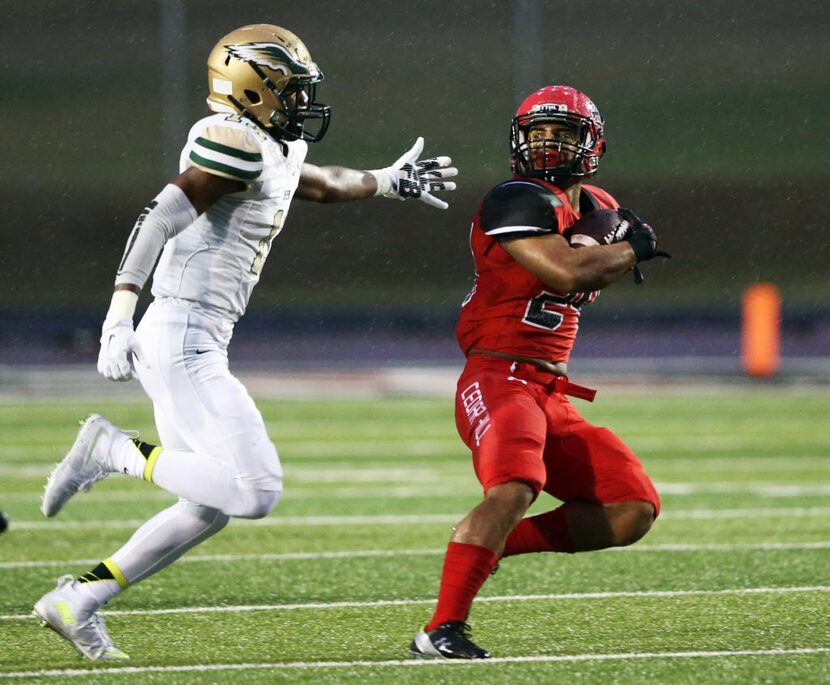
(383, 179)
(122, 305)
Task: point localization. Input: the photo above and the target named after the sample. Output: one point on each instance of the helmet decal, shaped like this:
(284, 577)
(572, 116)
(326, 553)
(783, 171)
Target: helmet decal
(549, 107)
(222, 86)
(270, 55)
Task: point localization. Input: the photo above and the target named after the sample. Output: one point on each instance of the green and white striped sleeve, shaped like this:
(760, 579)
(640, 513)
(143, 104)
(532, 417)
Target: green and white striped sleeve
(228, 152)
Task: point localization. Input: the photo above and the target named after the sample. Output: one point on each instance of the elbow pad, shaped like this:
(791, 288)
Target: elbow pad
(167, 215)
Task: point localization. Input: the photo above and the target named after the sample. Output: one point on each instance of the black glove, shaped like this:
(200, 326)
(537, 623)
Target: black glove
(642, 237)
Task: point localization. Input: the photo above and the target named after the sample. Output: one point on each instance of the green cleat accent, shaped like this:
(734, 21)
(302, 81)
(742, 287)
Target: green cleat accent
(62, 610)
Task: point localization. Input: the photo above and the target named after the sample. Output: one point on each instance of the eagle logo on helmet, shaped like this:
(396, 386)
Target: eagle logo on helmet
(275, 57)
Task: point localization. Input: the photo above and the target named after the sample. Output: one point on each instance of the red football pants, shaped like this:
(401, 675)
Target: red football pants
(519, 429)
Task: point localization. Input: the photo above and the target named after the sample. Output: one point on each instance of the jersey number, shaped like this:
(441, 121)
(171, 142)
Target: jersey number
(539, 315)
(265, 243)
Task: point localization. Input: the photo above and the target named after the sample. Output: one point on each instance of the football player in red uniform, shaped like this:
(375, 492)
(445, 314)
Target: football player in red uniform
(517, 328)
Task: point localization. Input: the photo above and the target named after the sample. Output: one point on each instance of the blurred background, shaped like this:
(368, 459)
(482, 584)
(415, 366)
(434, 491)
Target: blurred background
(716, 124)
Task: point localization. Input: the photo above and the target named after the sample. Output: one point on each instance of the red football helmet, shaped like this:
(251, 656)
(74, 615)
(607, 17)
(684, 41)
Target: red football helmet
(557, 157)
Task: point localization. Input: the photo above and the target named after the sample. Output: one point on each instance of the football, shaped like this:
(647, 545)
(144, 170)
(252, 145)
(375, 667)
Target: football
(600, 227)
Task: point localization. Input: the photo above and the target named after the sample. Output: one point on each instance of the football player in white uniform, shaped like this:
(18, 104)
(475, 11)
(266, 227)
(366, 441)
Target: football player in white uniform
(213, 225)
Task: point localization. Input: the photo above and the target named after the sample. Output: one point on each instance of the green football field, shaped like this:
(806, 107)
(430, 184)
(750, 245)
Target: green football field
(732, 585)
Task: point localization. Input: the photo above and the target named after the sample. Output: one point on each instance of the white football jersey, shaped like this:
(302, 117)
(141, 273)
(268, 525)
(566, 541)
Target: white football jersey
(217, 260)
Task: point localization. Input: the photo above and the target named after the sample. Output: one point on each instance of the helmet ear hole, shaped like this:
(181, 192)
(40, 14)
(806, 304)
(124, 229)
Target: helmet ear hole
(253, 96)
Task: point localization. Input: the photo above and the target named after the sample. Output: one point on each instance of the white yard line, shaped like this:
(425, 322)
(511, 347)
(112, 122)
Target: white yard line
(276, 556)
(32, 466)
(142, 495)
(266, 522)
(368, 446)
(415, 602)
(429, 487)
(356, 554)
(706, 443)
(298, 445)
(415, 519)
(316, 472)
(760, 512)
(809, 459)
(373, 475)
(744, 488)
(413, 663)
(716, 547)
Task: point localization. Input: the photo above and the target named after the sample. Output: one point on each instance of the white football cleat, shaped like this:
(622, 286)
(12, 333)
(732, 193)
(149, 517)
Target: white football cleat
(63, 611)
(86, 463)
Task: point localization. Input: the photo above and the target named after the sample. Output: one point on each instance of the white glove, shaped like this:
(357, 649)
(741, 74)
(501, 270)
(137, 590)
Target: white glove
(119, 347)
(408, 177)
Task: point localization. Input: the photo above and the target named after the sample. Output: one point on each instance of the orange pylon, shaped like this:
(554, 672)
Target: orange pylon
(761, 329)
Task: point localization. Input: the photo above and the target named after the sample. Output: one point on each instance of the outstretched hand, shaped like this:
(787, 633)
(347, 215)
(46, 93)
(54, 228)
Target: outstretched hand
(409, 177)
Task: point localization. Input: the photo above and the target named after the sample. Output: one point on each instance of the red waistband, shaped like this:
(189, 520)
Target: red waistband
(563, 386)
(557, 384)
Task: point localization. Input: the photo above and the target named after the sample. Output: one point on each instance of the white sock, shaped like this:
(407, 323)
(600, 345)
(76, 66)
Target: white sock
(126, 458)
(99, 592)
(101, 584)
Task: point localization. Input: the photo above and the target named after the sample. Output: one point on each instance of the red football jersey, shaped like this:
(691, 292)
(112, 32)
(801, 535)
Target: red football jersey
(509, 309)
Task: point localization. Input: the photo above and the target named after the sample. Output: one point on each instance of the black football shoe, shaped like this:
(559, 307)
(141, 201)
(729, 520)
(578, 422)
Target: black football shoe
(448, 641)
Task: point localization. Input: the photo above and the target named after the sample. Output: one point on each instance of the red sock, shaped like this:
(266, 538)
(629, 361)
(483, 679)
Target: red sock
(546, 532)
(466, 567)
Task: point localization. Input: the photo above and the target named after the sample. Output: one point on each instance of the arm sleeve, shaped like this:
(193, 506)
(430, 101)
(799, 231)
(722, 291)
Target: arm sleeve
(167, 215)
(518, 209)
(228, 152)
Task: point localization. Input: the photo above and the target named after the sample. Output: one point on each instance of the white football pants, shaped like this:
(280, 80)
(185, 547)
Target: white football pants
(199, 405)
(216, 455)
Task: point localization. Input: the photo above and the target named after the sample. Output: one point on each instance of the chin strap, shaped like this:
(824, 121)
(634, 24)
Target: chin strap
(246, 114)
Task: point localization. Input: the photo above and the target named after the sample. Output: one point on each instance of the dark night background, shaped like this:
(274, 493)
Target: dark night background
(716, 123)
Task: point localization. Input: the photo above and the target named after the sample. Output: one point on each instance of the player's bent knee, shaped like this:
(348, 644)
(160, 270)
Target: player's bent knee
(511, 496)
(633, 522)
(643, 519)
(257, 504)
(265, 502)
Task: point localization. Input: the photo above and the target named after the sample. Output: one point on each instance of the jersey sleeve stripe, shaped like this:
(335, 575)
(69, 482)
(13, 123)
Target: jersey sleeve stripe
(223, 168)
(527, 230)
(227, 150)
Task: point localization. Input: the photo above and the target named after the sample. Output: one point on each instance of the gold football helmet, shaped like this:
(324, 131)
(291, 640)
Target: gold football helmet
(265, 73)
